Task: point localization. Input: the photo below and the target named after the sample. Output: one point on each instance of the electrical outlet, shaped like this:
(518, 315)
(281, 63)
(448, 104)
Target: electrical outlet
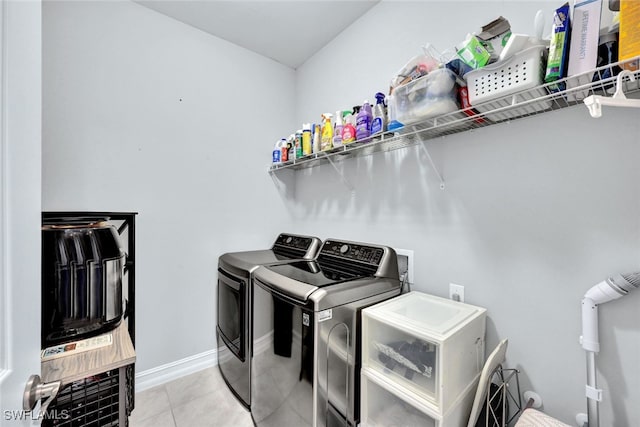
(405, 263)
(456, 292)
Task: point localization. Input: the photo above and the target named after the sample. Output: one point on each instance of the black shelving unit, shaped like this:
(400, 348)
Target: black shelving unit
(104, 399)
(98, 401)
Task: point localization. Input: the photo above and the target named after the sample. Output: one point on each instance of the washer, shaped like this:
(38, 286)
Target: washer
(306, 327)
(234, 305)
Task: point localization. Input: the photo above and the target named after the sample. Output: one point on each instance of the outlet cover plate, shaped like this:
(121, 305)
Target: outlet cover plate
(409, 254)
(456, 289)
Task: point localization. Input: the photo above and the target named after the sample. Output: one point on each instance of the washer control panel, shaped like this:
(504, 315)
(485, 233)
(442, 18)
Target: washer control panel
(353, 251)
(294, 242)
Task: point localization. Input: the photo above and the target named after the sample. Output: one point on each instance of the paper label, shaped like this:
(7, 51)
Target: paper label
(76, 347)
(305, 319)
(325, 315)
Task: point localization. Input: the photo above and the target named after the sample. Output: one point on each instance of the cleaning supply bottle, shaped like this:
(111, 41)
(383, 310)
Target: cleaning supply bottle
(284, 149)
(379, 122)
(326, 140)
(337, 130)
(348, 129)
(298, 147)
(306, 139)
(363, 121)
(316, 138)
(291, 145)
(276, 157)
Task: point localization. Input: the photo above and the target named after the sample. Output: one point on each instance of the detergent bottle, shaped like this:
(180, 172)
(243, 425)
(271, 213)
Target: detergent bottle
(291, 142)
(306, 139)
(349, 128)
(363, 121)
(284, 150)
(297, 152)
(379, 123)
(337, 130)
(276, 157)
(326, 139)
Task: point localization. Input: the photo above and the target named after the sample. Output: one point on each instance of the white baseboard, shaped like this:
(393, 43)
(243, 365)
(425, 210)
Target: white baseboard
(171, 371)
(174, 370)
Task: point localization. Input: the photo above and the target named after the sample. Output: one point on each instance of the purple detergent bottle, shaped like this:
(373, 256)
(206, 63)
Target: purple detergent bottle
(363, 122)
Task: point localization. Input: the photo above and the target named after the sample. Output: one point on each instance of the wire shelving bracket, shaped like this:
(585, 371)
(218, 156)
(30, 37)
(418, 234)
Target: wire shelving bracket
(433, 165)
(344, 180)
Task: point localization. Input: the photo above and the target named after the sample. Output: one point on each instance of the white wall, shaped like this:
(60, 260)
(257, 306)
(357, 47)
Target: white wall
(143, 113)
(534, 212)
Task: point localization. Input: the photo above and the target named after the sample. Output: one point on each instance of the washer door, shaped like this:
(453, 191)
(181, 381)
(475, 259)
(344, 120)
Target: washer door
(231, 313)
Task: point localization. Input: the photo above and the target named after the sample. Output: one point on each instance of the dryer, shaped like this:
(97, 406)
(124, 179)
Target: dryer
(233, 330)
(306, 327)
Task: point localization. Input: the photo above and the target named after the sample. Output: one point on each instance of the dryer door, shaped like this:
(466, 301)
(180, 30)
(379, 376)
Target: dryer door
(232, 313)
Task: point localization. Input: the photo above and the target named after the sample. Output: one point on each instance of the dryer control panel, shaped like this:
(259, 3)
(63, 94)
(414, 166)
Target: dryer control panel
(353, 251)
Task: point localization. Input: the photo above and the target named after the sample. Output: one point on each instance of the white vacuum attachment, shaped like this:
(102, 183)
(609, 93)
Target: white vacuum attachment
(607, 290)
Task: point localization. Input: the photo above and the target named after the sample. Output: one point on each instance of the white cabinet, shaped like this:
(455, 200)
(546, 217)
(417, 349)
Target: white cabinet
(425, 351)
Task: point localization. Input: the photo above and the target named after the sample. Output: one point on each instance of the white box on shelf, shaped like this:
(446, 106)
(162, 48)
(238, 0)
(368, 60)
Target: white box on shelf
(585, 33)
(432, 346)
(385, 403)
(509, 82)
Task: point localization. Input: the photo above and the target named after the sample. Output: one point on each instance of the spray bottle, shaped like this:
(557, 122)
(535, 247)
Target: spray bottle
(348, 129)
(379, 123)
(326, 140)
(363, 121)
(337, 130)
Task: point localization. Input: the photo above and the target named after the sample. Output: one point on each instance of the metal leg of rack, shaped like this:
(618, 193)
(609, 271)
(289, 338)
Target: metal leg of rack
(501, 398)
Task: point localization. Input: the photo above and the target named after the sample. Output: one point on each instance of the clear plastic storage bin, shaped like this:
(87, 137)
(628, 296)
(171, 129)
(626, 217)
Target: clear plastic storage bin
(423, 98)
(431, 346)
(384, 404)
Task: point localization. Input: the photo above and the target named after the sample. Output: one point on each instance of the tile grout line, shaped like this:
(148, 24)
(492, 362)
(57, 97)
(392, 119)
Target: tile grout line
(173, 417)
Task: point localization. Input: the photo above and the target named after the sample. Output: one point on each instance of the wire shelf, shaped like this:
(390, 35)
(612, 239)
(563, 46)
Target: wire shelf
(541, 99)
(91, 402)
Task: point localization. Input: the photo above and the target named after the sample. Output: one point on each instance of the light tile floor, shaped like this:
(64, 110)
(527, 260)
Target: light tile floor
(197, 400)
